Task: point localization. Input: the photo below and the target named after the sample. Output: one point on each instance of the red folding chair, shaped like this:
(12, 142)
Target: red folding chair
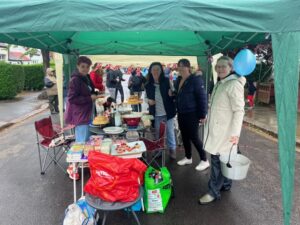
(53, 142)
(156, 147)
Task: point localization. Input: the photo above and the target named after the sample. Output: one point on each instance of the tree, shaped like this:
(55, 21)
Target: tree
(33, 51)
(45, 54)
(264, 58)
(30, 51)
(46, 59)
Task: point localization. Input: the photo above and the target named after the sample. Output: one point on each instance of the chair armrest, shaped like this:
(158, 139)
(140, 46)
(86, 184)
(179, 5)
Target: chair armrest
(50, 138)
(68, 127)
(57, 128)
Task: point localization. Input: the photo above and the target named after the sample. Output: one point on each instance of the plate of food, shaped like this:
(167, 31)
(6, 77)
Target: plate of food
(100, 121)
(132, 148)
(134, 100)
(113, 130)
(124, 109)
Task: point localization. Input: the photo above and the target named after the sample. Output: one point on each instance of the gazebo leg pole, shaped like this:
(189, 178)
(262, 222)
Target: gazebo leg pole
(104, 218)
(135, 217)
(74, 182)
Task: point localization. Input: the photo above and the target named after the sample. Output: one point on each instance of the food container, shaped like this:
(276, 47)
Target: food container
(132, 136)
(132, 120)
(106, 145)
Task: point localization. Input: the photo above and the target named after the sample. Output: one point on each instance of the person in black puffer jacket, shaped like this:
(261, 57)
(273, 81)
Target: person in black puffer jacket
(191, 103)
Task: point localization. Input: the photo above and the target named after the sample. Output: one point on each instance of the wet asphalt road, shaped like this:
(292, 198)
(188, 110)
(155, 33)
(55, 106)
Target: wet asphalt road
(28, 198)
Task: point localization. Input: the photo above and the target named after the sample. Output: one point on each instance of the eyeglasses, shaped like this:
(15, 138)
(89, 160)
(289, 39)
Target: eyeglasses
(222, 67)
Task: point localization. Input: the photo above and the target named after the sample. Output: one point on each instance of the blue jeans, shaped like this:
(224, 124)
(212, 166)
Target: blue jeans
(217, 180)
(82, 133)
(171, 141)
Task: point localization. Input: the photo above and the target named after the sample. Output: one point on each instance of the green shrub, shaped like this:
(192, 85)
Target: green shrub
(34, 77)
(8, 81)
(18, 70)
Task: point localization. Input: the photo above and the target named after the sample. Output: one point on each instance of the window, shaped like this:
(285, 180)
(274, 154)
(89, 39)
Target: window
(2, 57)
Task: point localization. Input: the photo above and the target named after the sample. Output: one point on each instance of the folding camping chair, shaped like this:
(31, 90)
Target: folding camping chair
(156, 147)
(52, 141)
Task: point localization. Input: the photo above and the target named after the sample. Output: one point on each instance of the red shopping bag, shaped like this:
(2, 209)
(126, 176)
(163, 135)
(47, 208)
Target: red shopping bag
(114, 179)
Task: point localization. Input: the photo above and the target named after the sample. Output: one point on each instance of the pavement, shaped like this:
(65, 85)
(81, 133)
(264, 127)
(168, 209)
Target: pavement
(264, 118)
(22, 107)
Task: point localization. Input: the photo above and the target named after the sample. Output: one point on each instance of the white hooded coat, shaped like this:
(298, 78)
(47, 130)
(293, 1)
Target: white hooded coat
(225, 116)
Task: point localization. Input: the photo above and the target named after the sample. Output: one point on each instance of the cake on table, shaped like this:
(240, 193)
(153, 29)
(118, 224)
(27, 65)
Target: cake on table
(133, 99)
(100, 120)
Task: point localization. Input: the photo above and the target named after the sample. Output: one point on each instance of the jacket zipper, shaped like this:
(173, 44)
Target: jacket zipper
(184, 84)
(208, 122)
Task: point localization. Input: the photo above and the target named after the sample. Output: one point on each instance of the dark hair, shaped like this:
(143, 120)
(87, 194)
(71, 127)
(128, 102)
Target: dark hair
(110, 99)
(133, 72)
(84, 59)
(94, 66)
(150, 78)
(184, 62)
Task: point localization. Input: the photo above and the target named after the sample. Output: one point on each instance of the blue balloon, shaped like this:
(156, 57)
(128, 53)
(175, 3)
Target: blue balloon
(244, 62)
(145, 71)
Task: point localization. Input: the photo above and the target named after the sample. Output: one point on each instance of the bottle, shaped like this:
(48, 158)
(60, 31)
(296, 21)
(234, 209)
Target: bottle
(118, 122)
(112, 118)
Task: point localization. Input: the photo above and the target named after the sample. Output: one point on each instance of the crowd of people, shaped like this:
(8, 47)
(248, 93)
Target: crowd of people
(169, 92)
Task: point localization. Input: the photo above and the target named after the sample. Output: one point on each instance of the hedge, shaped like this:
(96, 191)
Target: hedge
(18, 70)
(34, 77)
(9, 84)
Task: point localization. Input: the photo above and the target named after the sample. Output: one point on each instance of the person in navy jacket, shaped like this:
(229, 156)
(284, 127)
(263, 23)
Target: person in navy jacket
(191, 103)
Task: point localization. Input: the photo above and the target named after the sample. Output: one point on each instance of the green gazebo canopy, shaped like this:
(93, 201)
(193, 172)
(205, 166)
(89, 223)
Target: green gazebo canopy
(156, 27)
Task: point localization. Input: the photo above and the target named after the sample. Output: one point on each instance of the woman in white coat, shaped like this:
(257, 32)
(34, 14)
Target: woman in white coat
(224, 124)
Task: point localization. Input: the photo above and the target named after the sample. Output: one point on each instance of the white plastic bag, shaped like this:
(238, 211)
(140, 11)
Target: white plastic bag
(74, 215)
(87, 210)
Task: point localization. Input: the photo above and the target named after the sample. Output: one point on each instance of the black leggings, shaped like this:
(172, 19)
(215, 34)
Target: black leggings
(189, 128)
(119, 89)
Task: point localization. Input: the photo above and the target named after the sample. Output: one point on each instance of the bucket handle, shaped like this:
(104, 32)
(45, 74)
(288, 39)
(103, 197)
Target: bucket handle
(228, 162)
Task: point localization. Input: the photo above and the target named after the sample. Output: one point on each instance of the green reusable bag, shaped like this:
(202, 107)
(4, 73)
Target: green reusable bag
(158, 190)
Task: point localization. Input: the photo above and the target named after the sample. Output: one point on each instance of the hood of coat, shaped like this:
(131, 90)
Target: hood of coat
(242, 80)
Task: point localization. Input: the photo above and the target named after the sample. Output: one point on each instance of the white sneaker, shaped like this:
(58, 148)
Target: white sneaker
(206, 199)
(203, 165)
(185, 161)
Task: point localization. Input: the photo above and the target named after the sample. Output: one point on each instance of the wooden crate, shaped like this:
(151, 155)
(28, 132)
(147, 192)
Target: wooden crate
(265, 92)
